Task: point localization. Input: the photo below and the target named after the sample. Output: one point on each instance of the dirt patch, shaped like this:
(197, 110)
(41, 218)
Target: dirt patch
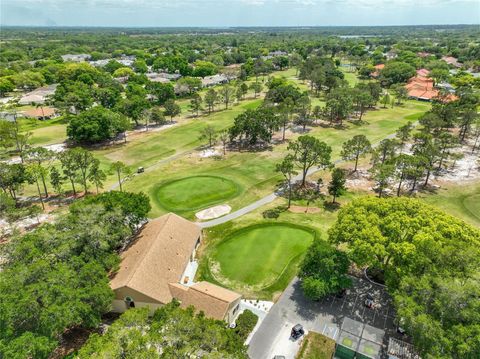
(307, 210)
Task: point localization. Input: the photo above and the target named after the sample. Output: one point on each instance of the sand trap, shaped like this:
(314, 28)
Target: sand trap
(209, 153)
(57, 148)
(213, 212)
(300, 209)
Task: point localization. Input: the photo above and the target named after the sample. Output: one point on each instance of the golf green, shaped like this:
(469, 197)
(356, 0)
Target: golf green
(197, 192)
(257, 255)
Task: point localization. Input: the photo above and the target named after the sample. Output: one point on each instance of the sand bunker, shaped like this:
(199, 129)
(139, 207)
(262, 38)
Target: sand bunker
(213, 212)
(209, 153)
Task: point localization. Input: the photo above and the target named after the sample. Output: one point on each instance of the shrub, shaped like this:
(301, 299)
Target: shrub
(245, 323)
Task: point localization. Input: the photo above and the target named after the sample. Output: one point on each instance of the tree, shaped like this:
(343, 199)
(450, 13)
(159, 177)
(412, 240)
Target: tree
(96, 125)
(385, 100)
(196, 104)
(11, 135)
(70, 167)
(385, 151)
(35, 173)
(161, 92)
(208, 133)
(308, 151)
(156, 116)
(382, 174)
(358, 146)
(256, 87)
(242, 90)
(403, 133)
(165, 332)
(254, 125)
(133, 206)
(400, 93)
(73, 94)
(428, 151)
(44, 158)
(56, 180)
(430, 273)
(211, 98)
(120, 169)
(133, 106)
(324, 270)
(224, 138)
(6, 86)
(362, 101)
(226, 93)
(303, 107)
(66, 263)
(97, 176)
(336, 187)
(339, 105)
(171, 109)
(396, 72)
(286, 168)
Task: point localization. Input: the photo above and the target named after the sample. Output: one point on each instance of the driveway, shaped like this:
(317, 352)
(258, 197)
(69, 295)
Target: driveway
(325, 316)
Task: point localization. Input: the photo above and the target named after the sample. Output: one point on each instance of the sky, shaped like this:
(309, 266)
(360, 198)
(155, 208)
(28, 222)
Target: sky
(226, 13)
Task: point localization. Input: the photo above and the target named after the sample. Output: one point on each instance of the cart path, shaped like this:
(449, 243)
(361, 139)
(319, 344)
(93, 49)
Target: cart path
(272, 196)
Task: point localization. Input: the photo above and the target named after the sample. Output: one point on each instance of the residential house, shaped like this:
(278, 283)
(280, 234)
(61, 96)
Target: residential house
(421, 87)
(41, 113)
(378, 68)
(452, 61)
(38, 96)
(76, 57)
(215, 80)
(160, 265)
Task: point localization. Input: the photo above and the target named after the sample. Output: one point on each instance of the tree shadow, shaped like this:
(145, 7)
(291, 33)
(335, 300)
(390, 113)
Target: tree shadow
(331, 207)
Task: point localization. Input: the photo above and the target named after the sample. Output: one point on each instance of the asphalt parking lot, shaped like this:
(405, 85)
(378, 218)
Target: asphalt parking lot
(325, 316)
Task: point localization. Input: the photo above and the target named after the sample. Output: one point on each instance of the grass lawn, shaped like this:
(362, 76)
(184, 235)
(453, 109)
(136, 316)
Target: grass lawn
(462, 201)
(316, 346)
(196, 192)
(257, 259)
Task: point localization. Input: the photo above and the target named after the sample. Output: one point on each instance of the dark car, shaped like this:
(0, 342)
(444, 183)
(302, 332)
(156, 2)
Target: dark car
(369, 302)
(297, 332)
(278, 357)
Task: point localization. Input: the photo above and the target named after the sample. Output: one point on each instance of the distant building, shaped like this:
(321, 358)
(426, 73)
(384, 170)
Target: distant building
(159, 267)
(215, 80)
(378, 68)
(452, 61)
(41, 113)
(421, 87)
(75, 57)
(163, 77)
(38, 96)
(390, 55)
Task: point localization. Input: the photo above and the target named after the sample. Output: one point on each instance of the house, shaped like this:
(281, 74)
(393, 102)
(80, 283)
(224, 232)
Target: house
(378, 68)
(451, 61)
(421, 87)
(41, 113)
(214, 80)
(390, 55)
(75, 57)
(38, 96)
(159, 266)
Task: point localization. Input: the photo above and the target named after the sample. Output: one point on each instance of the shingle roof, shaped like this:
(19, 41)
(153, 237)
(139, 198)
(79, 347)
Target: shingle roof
(40, 112)
(158, 257)
(212, 299)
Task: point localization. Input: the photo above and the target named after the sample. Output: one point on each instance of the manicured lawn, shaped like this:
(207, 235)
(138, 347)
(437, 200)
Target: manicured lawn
(462, 201)
(255, 257)
(316, 346)
(193, 193)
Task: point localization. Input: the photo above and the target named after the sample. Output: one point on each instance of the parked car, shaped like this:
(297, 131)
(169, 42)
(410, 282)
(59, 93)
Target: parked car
(140, 170)
(297, 332)
(370, 301)
(278, 357)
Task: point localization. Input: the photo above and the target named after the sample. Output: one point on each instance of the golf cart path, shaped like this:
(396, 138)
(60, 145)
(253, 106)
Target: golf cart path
(272, 196)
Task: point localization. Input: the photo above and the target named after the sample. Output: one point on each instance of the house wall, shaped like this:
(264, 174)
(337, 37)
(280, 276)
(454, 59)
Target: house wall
(230, 316)
(141, 300)
(120, 306)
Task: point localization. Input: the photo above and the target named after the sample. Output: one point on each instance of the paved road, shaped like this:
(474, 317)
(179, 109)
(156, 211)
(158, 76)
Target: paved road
(326, 317)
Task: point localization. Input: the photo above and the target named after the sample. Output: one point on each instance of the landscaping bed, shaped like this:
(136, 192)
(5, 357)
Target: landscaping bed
(316, 346)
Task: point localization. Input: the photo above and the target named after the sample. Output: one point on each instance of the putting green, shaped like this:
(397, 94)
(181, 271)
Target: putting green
(192, 193)
(258, 255)
(472, 204)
